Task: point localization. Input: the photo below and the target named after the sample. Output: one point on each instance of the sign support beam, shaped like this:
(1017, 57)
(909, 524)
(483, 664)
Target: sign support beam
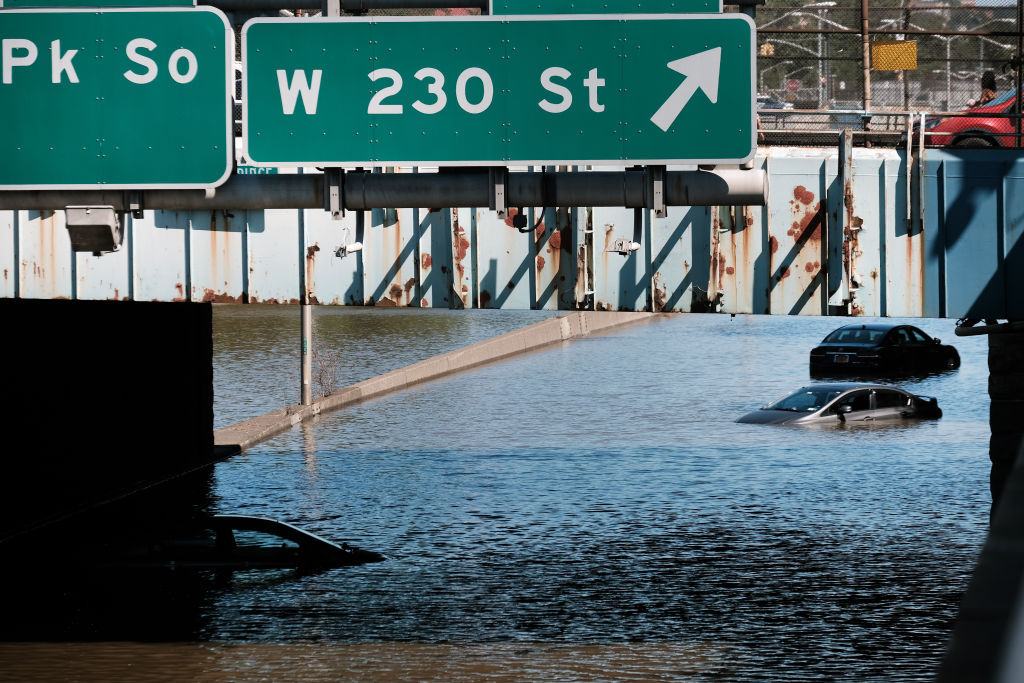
(631, 188)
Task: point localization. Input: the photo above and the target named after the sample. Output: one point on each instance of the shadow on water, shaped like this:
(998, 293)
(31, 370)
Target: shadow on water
(62, 591)
(77, 580)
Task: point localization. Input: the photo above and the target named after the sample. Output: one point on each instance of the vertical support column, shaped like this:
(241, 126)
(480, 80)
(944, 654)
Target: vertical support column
(307, 358)
(1006, 391)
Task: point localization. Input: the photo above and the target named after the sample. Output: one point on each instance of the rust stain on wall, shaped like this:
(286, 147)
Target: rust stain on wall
(555, 243)
(660, 292)
(461, 249)
(211, 296)
(803, 195)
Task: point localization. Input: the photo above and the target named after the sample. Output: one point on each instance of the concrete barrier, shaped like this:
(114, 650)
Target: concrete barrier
(555, 330)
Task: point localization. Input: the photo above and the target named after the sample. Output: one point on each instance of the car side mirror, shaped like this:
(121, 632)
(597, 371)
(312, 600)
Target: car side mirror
(845, 408)
(936, 340)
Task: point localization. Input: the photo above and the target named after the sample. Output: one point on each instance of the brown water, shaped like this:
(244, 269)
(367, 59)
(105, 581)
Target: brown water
(590, 512)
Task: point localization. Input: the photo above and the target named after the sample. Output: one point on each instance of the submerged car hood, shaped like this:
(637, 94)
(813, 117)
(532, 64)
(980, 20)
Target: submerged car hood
(771, 416)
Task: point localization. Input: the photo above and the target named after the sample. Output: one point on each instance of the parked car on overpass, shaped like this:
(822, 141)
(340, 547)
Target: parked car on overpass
(990, 125)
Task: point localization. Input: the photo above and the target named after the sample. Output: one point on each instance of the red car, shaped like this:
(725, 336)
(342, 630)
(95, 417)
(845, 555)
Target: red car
(990, 125)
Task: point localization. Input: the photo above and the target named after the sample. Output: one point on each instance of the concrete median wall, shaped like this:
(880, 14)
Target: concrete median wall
(556, 330)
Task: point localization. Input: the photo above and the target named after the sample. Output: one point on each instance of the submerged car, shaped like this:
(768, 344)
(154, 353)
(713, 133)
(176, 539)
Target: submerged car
(871, 348)
(845, 403)
(232, 542)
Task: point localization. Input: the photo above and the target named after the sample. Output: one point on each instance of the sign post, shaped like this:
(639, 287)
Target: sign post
(115, 98)
(482, 91)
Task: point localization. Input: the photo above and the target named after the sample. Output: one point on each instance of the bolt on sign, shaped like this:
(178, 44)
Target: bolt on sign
(604, 6)
(479, 91)
(893, 55)
(115, 98)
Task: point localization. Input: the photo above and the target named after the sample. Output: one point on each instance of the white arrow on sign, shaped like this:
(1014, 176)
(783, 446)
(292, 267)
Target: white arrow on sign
(701, 71)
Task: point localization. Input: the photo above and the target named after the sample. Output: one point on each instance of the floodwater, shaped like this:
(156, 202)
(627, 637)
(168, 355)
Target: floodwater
(586, 512)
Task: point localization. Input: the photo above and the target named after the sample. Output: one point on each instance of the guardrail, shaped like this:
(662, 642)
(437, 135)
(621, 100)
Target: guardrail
(892, 129)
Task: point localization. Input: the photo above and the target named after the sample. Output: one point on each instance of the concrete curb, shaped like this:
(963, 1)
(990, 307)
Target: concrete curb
(552, 331)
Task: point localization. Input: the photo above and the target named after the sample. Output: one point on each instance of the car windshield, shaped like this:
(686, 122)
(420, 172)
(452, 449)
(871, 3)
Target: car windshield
(850, 335)
(805, 400)
(1002, 99)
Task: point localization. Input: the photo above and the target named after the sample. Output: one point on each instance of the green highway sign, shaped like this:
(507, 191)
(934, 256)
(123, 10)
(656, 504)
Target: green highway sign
(95, 4)
(604, 6)
(115, 98)
(481, 91)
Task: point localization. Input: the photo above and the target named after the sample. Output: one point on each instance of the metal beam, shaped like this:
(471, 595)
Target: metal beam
(719, 186)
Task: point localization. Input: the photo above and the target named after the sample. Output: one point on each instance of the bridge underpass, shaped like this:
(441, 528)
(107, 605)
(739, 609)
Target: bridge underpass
(863, 233)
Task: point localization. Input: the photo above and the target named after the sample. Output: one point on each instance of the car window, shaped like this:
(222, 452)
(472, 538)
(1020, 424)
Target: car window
(854, 335)
(260, 539)
(886, 398)
(899, 336)
(1002, 99)
(859, 400)
(917, 335)
(805, 400)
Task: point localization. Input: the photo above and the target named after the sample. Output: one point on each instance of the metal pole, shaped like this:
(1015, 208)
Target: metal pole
(866, 53)
(949, 91)
(307, 358)
(821, 65)
(718, 186)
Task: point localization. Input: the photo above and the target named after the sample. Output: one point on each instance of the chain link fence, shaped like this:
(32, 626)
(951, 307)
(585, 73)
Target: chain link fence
(873, 66)
(870, 65)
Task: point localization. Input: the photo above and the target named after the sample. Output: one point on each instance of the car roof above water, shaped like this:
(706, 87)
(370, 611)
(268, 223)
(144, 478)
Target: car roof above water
(870, 326)
(845, 386)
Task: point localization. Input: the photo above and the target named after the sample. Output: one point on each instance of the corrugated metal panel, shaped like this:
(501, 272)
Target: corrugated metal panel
(8, 255)
(160, 269)
(276, 256)
(436, 257)
(44, 256)
(215, 252)
(966, 260)
(965, 274)
(504, 261)
(106, 276)
(620, 281)
(332, 280)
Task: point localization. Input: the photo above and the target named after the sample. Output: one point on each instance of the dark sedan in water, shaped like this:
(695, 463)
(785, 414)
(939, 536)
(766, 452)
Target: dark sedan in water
(882, 348)
(845, 403)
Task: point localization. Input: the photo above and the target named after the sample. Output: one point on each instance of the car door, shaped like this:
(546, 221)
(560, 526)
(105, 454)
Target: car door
(925, 349)
(854, 407)
(899, 349)
(888, 404)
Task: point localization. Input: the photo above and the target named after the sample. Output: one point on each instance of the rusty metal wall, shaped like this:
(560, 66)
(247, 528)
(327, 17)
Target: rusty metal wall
(845, 232)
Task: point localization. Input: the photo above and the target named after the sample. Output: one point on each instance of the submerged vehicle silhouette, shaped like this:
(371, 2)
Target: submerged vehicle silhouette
(845, 403)
(244, 542)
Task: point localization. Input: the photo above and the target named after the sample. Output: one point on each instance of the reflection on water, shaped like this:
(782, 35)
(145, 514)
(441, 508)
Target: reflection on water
(592, 512)
(105, 662)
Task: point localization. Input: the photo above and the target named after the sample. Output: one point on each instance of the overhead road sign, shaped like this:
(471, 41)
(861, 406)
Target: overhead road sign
(115, 98)
(485, 91)
(95, 4)
(604, 6)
